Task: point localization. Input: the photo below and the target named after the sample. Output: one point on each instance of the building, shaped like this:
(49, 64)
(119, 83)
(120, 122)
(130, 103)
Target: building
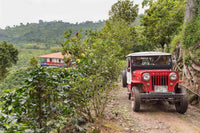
(54, 59)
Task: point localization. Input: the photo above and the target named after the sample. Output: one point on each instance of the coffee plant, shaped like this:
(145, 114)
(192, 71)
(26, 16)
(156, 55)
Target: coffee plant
(51, 98)
(40, 105)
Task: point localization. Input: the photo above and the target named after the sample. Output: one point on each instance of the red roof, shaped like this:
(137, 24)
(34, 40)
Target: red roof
(57, 55)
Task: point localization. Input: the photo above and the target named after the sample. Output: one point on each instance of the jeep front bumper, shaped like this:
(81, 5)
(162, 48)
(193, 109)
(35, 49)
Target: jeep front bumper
(161, 96)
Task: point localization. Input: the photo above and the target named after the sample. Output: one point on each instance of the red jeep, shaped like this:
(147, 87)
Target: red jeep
(149, 76)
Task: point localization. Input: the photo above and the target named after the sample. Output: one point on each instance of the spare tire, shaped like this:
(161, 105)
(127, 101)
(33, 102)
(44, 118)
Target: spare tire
(124, 78)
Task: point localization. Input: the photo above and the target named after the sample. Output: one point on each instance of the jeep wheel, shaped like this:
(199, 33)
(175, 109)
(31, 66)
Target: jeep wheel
(182, 105)
(124, 79)
(129, 95)
(135, 97)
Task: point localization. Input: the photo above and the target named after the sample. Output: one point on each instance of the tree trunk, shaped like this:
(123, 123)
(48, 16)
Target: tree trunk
(189, 10)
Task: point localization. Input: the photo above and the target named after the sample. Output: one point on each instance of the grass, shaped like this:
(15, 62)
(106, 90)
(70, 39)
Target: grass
(25, 55)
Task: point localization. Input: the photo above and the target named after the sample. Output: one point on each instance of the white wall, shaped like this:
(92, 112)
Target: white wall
(54, 60)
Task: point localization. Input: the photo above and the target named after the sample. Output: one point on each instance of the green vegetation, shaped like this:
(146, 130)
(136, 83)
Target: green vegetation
(56, 96)
(40, 105)
(124, 9)
(25, 55)
(14, 79)
(174, 42)
(46, 33)
(190, 41)
(33, 62)
(8, 57)
(188, 37)
(31, 48)
(161, 22)
(121, 34)
(192, 33)
(97, 67)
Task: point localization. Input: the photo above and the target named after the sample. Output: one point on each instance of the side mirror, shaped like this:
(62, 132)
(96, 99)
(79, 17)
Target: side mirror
(173, 62)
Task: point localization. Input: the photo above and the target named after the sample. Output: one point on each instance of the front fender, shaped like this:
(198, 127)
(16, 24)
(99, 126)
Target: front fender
(136, 82)
(180, 81)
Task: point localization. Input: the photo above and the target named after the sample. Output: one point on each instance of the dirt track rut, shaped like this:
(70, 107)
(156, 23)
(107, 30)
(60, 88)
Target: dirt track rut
(153, 118)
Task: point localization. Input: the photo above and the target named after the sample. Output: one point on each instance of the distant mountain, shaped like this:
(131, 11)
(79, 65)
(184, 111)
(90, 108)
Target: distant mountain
(44, 32)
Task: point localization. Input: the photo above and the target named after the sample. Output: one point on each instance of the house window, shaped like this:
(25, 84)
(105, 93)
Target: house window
(50, 59)
(59, 60)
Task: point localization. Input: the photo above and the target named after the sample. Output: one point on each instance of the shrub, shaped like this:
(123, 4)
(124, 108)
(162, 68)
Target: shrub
(40, 105)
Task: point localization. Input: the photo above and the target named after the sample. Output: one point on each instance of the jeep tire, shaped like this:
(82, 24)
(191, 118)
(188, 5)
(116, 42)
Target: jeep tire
(182, 105)
(124, 78)
(129, 95)
(136, 99)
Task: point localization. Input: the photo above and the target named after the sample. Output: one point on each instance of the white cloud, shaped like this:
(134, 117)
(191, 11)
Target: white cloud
(1, 16)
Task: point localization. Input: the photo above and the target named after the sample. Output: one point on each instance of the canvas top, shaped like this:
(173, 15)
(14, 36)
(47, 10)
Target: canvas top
(148, 54)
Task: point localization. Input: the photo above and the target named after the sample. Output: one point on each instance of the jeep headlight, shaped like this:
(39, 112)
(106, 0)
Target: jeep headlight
(173, 76)
(146, 76)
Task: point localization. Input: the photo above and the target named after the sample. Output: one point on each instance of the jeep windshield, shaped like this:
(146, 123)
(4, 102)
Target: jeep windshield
(151, 62)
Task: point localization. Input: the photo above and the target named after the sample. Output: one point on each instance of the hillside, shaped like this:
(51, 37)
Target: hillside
(44, 32)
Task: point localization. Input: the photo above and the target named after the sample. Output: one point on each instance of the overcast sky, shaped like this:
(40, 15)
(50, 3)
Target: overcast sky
(14, 12)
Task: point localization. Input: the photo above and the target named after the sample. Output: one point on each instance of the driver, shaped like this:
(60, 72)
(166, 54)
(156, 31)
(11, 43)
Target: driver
(138, 61)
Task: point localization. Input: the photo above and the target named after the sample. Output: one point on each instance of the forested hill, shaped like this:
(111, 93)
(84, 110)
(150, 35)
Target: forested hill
(44, 32)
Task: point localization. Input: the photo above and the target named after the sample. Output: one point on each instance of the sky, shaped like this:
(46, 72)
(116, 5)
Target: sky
(14, 12)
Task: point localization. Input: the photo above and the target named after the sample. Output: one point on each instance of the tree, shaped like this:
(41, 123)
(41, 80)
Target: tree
(8, 57)
(147, 3)
(123, 9)
(97, 67)
(161, 21)
(41, 22)
(119, 28)
(33, 62)
(122, 36)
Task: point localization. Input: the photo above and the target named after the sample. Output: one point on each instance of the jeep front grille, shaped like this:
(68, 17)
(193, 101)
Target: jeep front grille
(159, 80)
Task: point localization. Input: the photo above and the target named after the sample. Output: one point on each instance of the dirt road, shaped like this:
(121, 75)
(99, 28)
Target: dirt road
(153, 118)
